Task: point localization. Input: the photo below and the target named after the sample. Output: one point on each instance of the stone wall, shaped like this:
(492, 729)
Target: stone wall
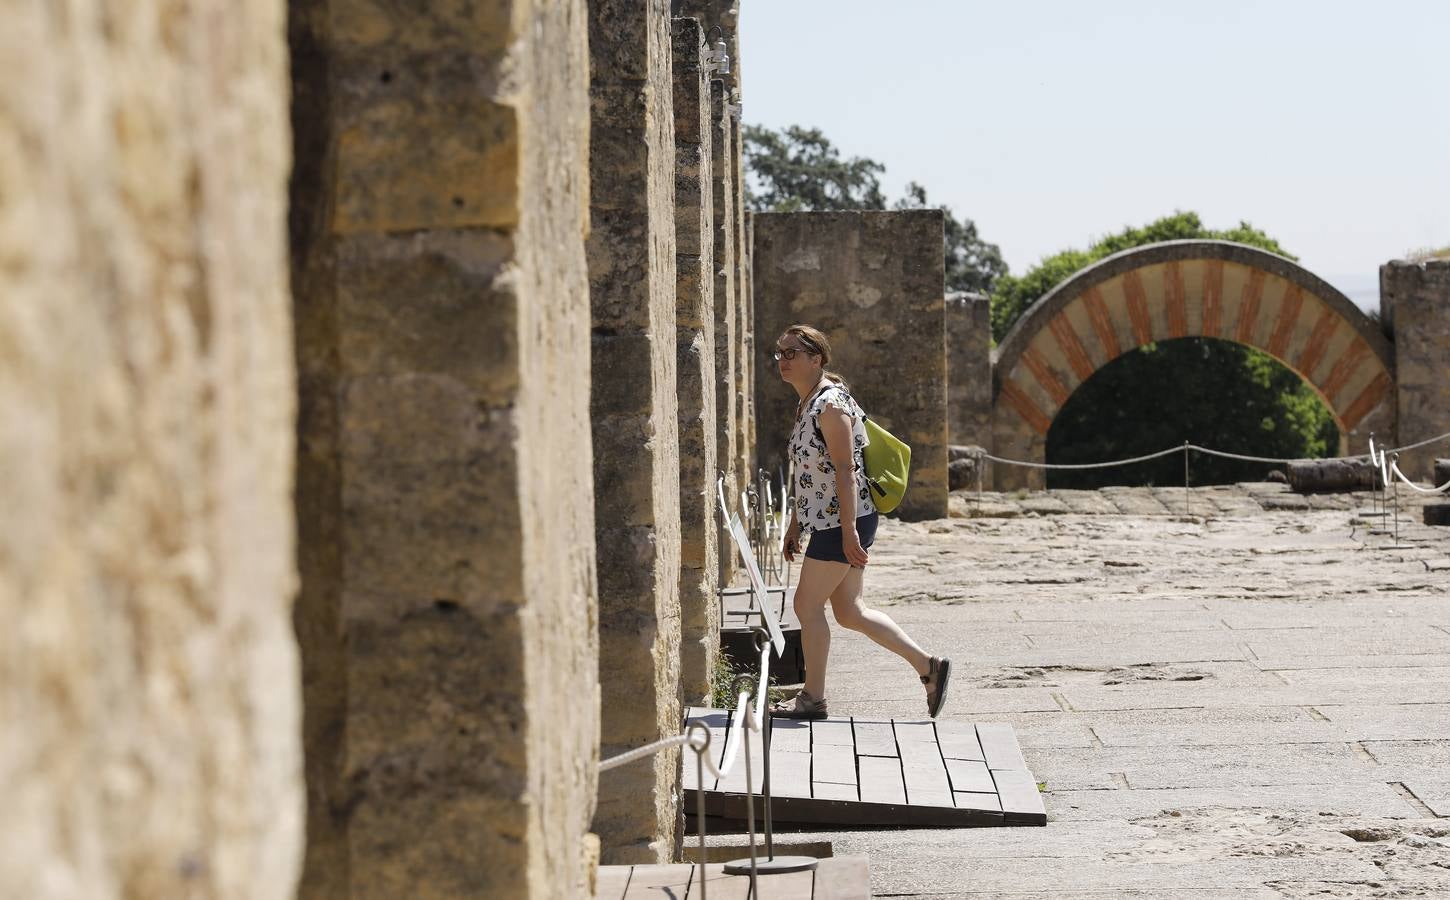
(148, 679)
(969, 369)
(695, 364)
(447, 615)
(635, 414)
(1415, 301)
(873, 282)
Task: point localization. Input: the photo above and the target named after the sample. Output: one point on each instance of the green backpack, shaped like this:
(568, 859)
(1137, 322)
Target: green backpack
(888, 462)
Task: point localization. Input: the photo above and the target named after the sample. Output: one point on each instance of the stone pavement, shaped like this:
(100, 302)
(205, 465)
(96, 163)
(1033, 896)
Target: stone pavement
(1252, 702)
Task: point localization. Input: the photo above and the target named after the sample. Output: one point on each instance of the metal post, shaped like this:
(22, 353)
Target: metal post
(981, 464)
(750, 811)
(700, 797)
(765, 735)
(1186, 509)
(771, 865)
(1394, 462)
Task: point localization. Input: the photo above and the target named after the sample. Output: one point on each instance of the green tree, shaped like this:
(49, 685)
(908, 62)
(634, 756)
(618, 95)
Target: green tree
(1209, 392)
(799, 170)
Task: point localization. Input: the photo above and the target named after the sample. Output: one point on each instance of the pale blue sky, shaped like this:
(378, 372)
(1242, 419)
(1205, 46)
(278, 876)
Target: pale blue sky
(1049, 123)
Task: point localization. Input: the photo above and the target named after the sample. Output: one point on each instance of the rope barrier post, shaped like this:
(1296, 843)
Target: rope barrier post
(742, 866)
(1395, 465)
(772, 864)
(981, 464)
(700, 751)
(1374, 488)
(1186, 509)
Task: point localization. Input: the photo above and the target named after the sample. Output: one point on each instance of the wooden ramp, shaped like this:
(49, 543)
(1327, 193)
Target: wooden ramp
(835, 878)
(870, 771)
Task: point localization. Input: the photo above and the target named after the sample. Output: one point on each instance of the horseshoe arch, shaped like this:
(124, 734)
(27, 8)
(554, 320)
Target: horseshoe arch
(1176, 289)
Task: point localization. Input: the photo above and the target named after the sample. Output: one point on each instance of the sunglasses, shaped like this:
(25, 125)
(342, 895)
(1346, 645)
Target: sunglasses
(788, 353)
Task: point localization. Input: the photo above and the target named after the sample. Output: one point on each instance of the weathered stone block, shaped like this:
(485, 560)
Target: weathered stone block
(430, 302)
(425, 148)
(149, 686)
(1415, 297)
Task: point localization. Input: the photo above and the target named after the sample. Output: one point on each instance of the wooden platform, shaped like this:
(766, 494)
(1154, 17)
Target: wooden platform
(737, 617)
(869, 771)
(836, 878)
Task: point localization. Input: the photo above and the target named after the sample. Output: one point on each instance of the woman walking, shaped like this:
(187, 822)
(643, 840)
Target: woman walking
(838, 515)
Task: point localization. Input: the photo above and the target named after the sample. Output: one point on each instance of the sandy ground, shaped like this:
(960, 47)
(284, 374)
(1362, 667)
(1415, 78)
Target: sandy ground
(1249, 700)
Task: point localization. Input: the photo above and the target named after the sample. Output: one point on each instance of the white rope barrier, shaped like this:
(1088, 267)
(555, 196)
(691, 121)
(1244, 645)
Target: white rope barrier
(1098, 465)
(615, 762)
(1395, 467)
(1426, 442)
(1273, 460)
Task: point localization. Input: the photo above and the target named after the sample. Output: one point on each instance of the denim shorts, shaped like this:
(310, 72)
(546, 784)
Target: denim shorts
(826, 544)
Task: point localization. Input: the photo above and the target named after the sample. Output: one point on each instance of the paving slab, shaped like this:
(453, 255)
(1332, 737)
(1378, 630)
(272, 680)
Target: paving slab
(1099, 768)
(1353, 799)
(1385, 723)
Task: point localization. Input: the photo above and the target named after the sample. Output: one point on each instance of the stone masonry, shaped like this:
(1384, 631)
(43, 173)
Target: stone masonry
(632, 286)
(149, 700)
(728, 185)
(872, 281)
(695, 364)
(1415, 300)
(447, 614)
(969, 369)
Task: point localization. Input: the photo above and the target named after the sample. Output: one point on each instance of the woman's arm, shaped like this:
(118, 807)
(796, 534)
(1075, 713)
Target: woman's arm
(835, 427)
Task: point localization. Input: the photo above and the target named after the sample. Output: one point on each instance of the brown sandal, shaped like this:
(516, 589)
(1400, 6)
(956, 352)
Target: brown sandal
(802, 706)
(936, 679)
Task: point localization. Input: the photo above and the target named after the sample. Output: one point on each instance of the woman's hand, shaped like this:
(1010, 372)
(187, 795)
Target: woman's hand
(851, 546)
(792, 543)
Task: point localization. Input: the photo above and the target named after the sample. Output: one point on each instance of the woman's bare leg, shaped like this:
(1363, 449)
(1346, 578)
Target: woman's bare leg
(878, 626)
(818, 579)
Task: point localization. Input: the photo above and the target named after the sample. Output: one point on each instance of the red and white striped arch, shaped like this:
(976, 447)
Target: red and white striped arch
(1187, 289)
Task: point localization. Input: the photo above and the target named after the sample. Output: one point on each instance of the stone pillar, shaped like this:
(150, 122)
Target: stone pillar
(753, 345)
(635, 419)
(695, 365)
(969, 372)
(444, 494)
(149, 699)
(727, 332)
(1415, 303)
(730, 351)
(744, 337)
(873, 282)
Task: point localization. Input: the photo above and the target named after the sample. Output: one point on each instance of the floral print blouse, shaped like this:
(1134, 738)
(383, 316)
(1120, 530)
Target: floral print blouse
(814, 475)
